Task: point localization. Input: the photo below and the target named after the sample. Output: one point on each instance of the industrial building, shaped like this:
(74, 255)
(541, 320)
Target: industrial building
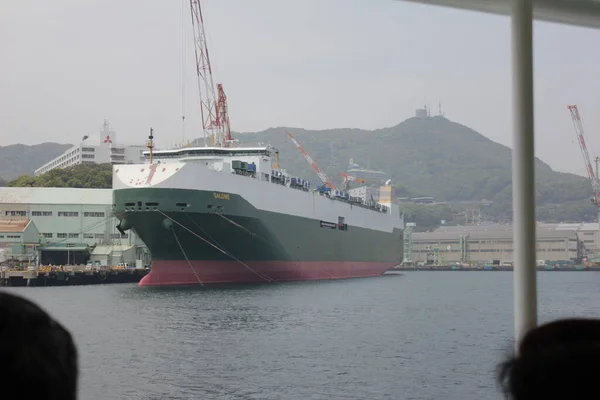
(87, 152)
(588, 233)
(19, 238)
(491, 243)
(69, 226)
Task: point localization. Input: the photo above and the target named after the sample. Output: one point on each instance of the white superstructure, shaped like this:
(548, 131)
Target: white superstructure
(218, 169)
(104, 151)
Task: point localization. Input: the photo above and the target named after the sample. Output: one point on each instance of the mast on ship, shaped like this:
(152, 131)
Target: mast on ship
(213, 104)
(150, 144)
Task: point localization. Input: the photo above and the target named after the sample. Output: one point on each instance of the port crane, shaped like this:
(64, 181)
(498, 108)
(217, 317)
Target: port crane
(213, 103)
(593, 176)
(319, 172)
(346, 179)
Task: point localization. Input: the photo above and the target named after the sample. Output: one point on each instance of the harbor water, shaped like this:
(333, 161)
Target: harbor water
(413, 335)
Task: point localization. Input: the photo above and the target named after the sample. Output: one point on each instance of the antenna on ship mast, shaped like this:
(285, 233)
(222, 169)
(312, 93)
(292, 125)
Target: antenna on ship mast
(150, 143)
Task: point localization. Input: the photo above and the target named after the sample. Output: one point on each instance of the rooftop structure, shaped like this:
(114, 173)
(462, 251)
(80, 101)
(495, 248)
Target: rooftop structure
(14, 225)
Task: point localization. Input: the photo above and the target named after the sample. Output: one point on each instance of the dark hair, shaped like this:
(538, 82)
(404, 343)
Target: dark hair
(38, 358)
(558, 360)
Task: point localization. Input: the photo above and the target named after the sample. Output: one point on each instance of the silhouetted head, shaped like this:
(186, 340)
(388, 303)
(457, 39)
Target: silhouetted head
(558, 360)
(38, 358)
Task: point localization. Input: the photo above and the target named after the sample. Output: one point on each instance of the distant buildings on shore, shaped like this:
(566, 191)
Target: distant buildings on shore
(106, 150)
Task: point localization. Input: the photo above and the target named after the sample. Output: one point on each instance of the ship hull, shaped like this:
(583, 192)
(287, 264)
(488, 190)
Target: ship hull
(203, 237)
(206, 272)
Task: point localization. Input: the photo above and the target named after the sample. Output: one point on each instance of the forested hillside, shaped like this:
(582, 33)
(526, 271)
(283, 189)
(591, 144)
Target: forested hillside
(20, 159)
(423, 156)
(98, 176)
(433, 157)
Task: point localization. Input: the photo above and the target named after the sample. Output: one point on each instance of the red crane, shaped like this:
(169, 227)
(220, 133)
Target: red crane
(318, 170)
(213, 107)
(586, 156)
(347, 178)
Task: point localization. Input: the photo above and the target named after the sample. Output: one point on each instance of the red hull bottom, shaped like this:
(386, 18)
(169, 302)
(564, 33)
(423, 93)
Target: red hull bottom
(180, 272)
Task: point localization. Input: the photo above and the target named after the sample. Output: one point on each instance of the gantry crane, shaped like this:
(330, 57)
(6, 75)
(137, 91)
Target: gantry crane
(319, 172)
(213, 104)
(578, 125)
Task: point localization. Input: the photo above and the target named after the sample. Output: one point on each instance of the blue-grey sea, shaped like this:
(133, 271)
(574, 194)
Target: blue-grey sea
(415, 335)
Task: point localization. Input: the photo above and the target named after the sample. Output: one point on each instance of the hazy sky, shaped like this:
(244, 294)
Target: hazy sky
(315, 64)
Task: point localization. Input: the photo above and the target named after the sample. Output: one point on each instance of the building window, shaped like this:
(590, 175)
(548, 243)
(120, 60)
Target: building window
(93, 214)
(47, 235)
(41, 213)
(61, 235)
(73, 235)
(90, 149)
(68, 214)
(87, 156)
(15, 213)
(115, 236)
(13, 236)
(88, 235)
(99, 236)
(124, 236)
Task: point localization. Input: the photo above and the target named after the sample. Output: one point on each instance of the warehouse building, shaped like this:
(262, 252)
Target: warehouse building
(70, 224)
(472, 244)
(19, 239)
(587, 232)
(105, 150)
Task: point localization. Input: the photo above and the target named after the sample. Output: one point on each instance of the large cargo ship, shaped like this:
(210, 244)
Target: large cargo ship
(228, 215)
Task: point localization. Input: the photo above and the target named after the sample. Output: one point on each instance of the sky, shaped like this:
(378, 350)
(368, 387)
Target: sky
(313, 64)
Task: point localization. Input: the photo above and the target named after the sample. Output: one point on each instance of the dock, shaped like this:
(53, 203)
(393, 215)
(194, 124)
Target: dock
(65, 276)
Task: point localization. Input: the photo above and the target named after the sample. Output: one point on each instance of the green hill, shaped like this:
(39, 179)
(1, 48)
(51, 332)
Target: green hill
(93, 176)
(423, 157)
(19, 159)
(432, 157)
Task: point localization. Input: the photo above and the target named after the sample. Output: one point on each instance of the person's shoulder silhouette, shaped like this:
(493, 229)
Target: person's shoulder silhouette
(38, 358)
(557, 360)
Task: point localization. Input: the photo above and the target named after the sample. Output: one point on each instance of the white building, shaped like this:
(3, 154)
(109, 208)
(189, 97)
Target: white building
(88, 152)
(70, 219)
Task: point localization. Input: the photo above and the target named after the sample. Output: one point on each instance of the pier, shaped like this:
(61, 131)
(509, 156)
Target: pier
(68, 276)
